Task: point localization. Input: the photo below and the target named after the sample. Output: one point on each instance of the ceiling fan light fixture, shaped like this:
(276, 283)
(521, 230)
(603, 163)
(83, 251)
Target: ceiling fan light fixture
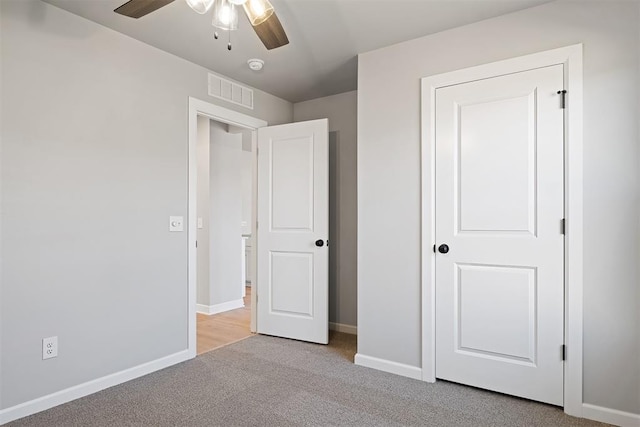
(225, 15)
(200, 6)
(258, 11)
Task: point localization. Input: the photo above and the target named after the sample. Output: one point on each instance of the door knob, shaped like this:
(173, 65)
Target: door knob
(319, 243)
(443, 249)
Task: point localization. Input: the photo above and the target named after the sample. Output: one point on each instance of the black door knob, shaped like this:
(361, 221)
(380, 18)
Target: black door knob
(319, 243)
(443, 249)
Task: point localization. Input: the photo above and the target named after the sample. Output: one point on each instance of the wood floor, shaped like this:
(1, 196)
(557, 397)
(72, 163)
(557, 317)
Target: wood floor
(232, 326)
(218, 330)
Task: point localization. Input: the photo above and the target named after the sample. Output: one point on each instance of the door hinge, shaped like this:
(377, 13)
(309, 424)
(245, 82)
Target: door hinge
(563, 350)
(563, 225)
(196, 243)
(563, 95)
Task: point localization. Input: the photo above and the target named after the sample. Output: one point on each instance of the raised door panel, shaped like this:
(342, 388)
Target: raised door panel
(496, 312)
(497, 196)
(292, 182)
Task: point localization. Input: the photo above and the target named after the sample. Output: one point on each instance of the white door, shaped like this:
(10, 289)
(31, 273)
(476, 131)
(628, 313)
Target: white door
(499, 209)
(293, 228)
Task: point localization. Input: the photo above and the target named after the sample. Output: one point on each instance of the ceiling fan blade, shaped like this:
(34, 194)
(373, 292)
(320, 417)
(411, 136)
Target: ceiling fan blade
(139, 8)
(271, 33)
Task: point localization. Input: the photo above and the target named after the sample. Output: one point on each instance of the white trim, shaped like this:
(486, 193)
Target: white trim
(573, 247)
(341, 327)
(253, 325)
(198, 107)
(90, 387)
(610, 416)
(224, 115)
(571, 58)
(219, 308)
(388, 366)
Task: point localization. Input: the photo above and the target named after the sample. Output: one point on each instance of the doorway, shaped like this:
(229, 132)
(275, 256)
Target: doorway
(239, 123)
(453, 291)
(224, 211)
(295, 161)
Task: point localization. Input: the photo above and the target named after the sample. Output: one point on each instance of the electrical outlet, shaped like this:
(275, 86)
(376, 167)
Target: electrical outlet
(49, 347)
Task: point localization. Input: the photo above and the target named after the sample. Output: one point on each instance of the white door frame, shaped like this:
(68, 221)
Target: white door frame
(223, 115)
(571, 58)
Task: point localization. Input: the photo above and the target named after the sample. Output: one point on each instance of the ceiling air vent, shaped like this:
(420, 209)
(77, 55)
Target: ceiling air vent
(230, 91)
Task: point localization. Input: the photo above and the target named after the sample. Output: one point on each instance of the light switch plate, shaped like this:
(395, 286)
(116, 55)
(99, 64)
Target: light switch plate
(176, 223)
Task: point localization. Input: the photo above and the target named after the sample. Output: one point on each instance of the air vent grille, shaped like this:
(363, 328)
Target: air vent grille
(230, 91)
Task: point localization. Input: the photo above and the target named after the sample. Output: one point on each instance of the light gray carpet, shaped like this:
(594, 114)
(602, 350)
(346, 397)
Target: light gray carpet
(277, 382)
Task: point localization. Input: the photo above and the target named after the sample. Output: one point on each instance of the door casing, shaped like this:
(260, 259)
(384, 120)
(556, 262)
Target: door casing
(571, 58)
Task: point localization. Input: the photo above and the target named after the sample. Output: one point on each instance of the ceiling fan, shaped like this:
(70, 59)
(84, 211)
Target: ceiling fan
(260, 13)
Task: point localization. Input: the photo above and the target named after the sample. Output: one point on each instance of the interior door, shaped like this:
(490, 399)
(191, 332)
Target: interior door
(293, 228)
(499, 211)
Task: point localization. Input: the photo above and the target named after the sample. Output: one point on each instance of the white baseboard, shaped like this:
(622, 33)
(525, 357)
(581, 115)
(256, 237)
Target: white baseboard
(610, 416)
(72, 393)
(219, 308)
(341, 327)
(388, 366)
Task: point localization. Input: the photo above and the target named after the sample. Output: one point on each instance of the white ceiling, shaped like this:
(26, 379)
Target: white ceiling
(325, 36)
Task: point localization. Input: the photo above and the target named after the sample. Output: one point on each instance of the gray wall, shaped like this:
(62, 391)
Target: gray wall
(341, 110)
(203, 293)
(389, 180)
(246, 172)
(219, 203)
(225, 215)
(94, 160)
